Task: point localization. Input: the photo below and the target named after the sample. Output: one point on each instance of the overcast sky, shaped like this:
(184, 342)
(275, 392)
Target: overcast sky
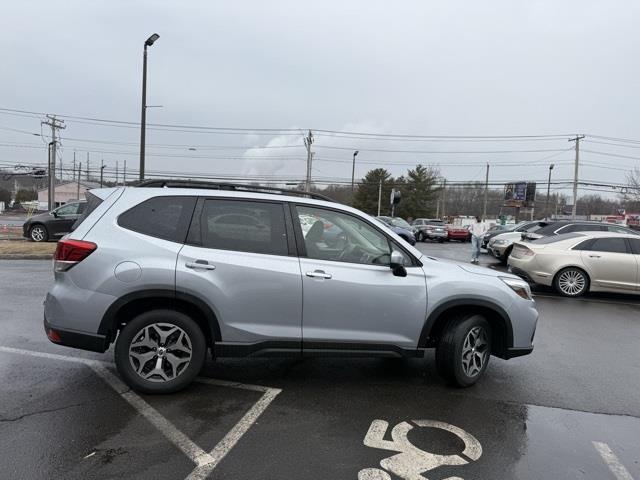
(408, 67)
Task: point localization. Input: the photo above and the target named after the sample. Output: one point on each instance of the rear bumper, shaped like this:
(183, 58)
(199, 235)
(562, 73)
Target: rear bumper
(75, 339)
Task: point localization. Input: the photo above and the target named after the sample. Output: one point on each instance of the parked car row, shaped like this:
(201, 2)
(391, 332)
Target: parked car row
(501, 245)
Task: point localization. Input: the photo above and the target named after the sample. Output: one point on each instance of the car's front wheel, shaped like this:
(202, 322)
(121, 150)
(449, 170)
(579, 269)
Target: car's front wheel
(420, 237)
(160, 351)
(38, 233)
(464, 349)
(571, 282)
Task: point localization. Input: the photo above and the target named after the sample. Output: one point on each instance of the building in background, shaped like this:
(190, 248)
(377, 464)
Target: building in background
(65, 192)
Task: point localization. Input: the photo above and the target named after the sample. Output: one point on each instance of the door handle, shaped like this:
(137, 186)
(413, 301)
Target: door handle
(594, 256)
(200, 264)
(319, 274)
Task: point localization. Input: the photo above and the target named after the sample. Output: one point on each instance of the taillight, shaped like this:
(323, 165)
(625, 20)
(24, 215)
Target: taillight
(520, 251)
(71, 252)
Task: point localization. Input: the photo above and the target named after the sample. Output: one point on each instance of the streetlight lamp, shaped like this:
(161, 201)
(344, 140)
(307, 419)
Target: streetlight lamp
(546, 207)
(353, 172)
(143, 122)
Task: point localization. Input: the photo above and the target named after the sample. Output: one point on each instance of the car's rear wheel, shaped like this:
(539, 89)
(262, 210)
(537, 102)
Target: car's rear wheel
(571, 282)
(38, 233)
(160, 351)
(464, 349)
(420, 237)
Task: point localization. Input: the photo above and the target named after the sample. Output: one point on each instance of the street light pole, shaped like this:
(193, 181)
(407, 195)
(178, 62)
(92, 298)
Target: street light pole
(353, 172)
(546, 207)
(143, 121)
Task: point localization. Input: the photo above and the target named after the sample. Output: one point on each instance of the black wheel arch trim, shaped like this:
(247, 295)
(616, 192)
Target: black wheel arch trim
(108, 325)
(430, 322)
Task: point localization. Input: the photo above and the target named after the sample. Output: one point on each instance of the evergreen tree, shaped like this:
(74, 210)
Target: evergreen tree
(366, 195)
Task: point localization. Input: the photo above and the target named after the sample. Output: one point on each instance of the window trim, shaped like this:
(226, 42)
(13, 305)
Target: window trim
(302, 251)
(194, 239)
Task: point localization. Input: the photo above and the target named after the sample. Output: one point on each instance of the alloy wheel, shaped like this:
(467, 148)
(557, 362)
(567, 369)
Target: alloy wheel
(160, 352)
(37, 233)
(475, 351)
(572, 282)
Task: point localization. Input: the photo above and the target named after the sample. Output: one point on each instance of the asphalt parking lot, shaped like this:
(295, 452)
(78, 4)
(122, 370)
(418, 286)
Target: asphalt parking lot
(569, 410)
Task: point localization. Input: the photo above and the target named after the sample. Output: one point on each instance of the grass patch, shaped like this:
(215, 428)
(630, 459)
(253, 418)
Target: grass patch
(22, 247)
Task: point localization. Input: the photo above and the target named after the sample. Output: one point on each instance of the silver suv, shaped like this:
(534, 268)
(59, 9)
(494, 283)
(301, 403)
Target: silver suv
(168, 273)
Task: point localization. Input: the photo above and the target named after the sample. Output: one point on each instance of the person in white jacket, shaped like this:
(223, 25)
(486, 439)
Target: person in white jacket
(477, 230)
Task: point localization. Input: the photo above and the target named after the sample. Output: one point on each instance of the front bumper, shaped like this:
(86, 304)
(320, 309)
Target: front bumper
(497, 250)
(75, 339)
(518, 352)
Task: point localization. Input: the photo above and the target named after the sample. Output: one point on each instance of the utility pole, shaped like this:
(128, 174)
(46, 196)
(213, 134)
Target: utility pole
(117, 162)
(486, 194)
(444, 195)
(575, 174)
(308, 141)
(55, 125)
(73, 179)
(124, 174)
(79, 176)
(353, 172)
(101, 171)
(379, 195)
(546, 205)
(88, 166)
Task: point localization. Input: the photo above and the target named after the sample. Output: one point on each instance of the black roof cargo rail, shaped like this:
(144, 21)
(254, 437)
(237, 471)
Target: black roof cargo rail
(236, 187)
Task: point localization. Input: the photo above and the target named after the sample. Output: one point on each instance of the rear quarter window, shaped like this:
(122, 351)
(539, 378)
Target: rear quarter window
(165, 217)
(93, 202)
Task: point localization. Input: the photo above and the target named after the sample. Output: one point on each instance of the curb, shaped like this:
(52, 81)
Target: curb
(21, 256)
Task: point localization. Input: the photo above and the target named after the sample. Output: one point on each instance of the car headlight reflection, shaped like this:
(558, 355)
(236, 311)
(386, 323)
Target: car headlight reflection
(520, 287)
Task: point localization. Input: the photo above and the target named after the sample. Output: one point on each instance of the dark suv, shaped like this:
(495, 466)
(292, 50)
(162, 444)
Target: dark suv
(571, 226)
(53, 224)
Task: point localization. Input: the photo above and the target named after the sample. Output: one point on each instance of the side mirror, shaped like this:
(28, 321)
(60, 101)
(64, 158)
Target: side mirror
(54, 213)
(397, 264)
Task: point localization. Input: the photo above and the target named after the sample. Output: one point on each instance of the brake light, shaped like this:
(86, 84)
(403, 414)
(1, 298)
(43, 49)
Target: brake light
(71, 252)
(520, 251)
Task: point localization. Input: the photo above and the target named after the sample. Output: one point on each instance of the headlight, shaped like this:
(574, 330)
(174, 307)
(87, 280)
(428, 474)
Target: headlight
(499, 242)
(521, 287)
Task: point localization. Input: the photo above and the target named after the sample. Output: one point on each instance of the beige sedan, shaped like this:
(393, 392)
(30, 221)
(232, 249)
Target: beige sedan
(577, 263)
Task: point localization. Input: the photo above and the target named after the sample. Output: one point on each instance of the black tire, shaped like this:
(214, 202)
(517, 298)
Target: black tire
(420, 237)
(449, 351)
(182, 377)
(581, 279)
(441, 240)
(38, 233)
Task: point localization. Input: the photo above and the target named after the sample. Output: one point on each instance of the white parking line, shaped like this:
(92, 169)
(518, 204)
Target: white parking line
(205, 462)
(619, 471)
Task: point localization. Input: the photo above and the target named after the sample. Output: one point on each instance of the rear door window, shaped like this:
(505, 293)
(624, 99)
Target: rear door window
(163, 217)
(612, 245)
(243, 226)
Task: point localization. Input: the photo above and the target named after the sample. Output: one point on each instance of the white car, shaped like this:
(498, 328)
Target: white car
(576, 263)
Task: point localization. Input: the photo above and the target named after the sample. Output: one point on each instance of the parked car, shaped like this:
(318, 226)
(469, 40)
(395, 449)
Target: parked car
(570, 226)
(577, 263)
(501, 245)
(151, 269)
(497, 230)
(53, 224)
(460, 234)
(400, 227)
(429, 229)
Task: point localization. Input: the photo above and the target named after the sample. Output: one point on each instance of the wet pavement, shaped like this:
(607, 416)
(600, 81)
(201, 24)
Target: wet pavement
(569, 410)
